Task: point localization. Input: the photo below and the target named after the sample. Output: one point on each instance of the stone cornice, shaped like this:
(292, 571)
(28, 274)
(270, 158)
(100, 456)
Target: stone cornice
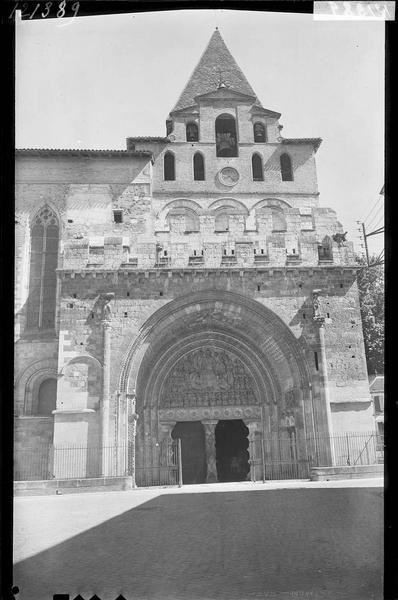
(206, 271)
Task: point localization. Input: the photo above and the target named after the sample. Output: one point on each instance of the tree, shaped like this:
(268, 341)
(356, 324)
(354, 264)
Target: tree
(371, 298)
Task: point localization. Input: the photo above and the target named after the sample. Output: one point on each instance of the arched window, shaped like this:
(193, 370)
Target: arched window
(226, 140)
(278, 220)
(198, 167)
(221, 222)
(192, 132)
(47, 397)
(169, 167)
(259, 132)
(257, 168)
(286, 168)
(42, 277)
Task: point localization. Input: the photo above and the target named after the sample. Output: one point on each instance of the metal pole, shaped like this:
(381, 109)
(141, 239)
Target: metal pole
(263, 456)
(348, 450)
(365, 239)
(179, 463)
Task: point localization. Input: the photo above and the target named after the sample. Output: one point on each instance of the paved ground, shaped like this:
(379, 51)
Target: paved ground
(318, 541)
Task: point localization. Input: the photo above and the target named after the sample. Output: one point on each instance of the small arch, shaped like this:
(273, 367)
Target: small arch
(198, 167)
(271, 203)
(183, 220)
(47, 397)
(230, 204)
(169, 166)
(192, 132)
(286, 167)
(226, 137)
(257, 168)
(259, 132)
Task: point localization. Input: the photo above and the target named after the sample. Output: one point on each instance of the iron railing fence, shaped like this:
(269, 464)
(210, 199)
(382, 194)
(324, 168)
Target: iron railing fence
(160, 463)
(348, 449)
(157, 464)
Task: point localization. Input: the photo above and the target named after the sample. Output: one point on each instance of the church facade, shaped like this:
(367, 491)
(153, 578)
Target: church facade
(190, 286)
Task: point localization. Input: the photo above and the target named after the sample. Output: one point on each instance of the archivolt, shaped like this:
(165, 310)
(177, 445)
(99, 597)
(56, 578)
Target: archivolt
(274, 339)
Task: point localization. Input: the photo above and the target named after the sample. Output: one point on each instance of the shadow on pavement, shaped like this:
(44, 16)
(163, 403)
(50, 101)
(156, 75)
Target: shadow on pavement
(318, 544)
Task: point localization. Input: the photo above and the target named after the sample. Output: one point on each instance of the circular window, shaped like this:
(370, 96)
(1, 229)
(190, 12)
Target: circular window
(228, 176)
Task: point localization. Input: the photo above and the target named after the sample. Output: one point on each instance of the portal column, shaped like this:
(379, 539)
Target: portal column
(104, 312)
(328, 451)
(168, 459)
(210, 432)
(105, 412)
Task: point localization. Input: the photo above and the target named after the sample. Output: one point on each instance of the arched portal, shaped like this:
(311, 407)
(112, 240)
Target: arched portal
(216, 356)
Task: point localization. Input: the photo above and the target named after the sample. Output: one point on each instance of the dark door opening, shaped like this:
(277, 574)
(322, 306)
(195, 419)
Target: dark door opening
(193, 451)
(232, 454)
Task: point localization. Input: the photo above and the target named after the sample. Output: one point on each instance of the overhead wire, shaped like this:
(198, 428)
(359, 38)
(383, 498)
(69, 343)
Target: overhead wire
(376, 216)
(371, 210)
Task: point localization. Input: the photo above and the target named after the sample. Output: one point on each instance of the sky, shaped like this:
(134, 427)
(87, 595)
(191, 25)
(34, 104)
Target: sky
(90, 82)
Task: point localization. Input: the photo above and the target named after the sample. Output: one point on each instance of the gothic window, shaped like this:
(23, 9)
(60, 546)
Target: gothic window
(198, 167)
(257, 168)
(47, 397)
(259, 132)
(278, 220)
(192, 132)
(226, 139)
(169, 167)
(43, 263)
(221, 222)
(286, 167)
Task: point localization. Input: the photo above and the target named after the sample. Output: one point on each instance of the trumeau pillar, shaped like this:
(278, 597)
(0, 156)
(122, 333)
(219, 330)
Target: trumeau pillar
(210, 433)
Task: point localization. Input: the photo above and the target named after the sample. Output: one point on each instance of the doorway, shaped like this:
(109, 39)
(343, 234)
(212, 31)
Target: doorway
(193, 451)
(232, 456)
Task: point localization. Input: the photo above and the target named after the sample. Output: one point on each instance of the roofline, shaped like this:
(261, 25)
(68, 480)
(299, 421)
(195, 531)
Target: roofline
(79, 152)
(148, 138)
(260, 109)
(234, 92)
(185, 109)
(316, 142)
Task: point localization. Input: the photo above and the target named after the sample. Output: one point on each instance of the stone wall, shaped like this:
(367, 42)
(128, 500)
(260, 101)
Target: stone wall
(138, 295)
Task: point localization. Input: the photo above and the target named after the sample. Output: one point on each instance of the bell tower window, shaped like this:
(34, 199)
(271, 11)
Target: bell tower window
(259, 132)
(198, 167)
(43, 264)
(169, 167)
(286, 167)
(192, 132)
(226, 139)
(257, 168)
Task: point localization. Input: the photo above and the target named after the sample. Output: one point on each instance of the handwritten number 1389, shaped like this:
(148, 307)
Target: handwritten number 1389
(47, 7)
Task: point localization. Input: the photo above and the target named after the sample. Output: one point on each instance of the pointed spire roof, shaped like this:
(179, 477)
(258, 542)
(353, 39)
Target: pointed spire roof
(215, 65)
